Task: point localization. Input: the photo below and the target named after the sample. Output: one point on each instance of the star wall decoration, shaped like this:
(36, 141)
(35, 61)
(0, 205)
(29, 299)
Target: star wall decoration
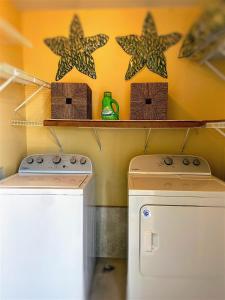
(76, 51)
(147, 49)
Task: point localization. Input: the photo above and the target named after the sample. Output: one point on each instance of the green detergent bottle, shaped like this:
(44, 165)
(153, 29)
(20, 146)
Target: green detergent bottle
(108, 112)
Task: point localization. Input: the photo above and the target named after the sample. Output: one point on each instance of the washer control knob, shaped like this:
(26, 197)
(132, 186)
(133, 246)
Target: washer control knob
(186, 162)
(168, 161)
(83, 161)
(73, 160)
(56, 159)
(30, 160)
(196, 162)
(39, 160)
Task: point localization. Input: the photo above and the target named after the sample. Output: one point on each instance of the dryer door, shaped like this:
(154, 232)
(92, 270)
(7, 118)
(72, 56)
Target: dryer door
(186, 244)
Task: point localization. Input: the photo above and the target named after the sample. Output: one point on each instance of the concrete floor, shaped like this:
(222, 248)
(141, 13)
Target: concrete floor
(109, 285)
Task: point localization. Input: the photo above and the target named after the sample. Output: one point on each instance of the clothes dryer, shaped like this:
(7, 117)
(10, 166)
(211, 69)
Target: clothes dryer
(176, 229)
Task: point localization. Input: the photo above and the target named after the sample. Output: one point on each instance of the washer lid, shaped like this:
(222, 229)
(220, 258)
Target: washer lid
(149, 184)
(53, 181)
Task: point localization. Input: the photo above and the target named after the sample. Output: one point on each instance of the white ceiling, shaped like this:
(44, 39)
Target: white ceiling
(65, 4)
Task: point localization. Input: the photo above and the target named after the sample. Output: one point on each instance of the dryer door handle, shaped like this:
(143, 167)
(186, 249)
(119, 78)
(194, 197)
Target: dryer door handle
(148, 241)
(151, 241)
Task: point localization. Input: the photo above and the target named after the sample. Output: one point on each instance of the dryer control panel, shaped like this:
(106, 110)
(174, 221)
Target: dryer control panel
(56, 164)
(169, 164)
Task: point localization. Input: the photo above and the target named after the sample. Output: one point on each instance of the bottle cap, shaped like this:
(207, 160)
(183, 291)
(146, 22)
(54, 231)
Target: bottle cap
(107, 94)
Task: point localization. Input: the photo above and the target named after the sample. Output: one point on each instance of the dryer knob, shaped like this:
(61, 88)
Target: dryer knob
(83, 161)
(168, 161)
(39, 160)
(56, 159)
(73, 160)
(30, 160)
(186, 162)
(196, 162)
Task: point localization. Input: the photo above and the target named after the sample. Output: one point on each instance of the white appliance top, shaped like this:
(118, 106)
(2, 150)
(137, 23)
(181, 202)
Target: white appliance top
(172, 175)
(50, 171)
(175, 183)
(50, 181)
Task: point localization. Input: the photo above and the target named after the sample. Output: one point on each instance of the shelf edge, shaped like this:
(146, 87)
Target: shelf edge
(126, 123)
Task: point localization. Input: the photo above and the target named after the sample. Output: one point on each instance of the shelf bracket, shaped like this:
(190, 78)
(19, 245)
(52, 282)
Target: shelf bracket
(220, 131)
(147, 139)
(57, 141)
(29, 98)
(185, 140)
(7, 82)
(97, 138)
(215, 70)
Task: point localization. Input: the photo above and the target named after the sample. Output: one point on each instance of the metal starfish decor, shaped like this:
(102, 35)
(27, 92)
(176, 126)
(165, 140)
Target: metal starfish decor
(147, 49)
(76, 50)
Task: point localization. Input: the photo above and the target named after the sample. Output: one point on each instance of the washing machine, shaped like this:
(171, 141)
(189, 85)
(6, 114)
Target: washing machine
(176, 229)
(47, 229)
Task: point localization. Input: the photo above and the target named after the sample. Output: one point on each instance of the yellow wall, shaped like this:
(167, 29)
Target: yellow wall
(12, 140)
(194, 93)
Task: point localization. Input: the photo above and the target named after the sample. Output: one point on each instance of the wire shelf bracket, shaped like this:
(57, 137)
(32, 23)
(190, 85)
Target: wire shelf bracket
(7, 82)
(185, 140)
(97, 138)
(215, 70)
(221, 132)
(12, 74)
(147, 140)
(220, 51)
(29, 98)
(218, 126)
(56, 139)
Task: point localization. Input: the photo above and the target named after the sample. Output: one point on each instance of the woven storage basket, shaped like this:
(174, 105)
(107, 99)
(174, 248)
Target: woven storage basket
(149, 101)
(71, 101)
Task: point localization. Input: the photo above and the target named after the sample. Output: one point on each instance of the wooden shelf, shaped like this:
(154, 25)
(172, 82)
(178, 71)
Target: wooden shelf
(127, 123)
